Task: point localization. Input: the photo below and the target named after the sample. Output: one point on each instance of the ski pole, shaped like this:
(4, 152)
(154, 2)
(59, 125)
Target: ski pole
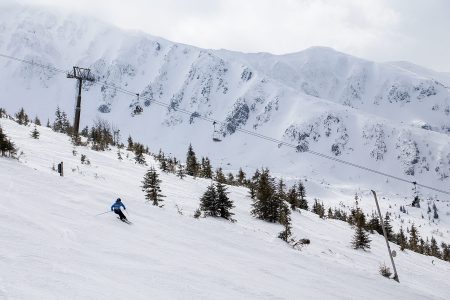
(103, 213)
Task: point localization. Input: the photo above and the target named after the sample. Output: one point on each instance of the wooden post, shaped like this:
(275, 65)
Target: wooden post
(61, 169)
(385, 237)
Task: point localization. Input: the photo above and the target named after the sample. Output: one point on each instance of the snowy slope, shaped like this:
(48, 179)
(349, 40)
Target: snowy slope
(55, 247)
(389, 118)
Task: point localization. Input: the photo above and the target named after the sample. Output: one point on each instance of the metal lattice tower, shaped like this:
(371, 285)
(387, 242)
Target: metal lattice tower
(81, 74)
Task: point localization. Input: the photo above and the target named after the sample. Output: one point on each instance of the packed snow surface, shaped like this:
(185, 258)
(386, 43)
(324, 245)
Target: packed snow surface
(55, 246)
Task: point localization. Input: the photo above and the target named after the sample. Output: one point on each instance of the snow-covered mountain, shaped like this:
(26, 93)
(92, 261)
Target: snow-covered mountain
(392, 117)
(56, 244)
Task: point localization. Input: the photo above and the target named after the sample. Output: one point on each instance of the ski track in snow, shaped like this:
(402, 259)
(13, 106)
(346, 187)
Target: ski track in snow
(53, 246)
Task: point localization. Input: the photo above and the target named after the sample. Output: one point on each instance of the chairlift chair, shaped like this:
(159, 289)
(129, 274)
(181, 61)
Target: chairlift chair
(216, 134)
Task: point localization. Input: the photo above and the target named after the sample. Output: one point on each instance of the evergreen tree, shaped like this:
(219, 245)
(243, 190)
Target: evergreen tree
(241, 177)
(445, 252)
(180, 171)
(421, 246)
(265, 198)
(230, 179)
(37, 121)
(35, 133)
(151, 186)
(280, 190)
(163, 165)
(435, 214)
(434, 248)
(219, 176)
(302, 194)
(61, 123)
(7, 147)
(318, 209)
(293, 197)
(3, 113)
(285, 220)
(208, 202)
(414, 239)
(427, 248)
(401, 239)
(191, 162)
(85, 132)
(224, 204)
(374, 224)
(330, 213)
(139, 154)
(361, 238)
(48, 124)
(252, 190)
(130, 143)
(206, 168)
(388, 228)
(22, 117)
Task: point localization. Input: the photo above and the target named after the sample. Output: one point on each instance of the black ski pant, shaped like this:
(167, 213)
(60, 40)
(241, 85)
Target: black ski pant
(120, 213)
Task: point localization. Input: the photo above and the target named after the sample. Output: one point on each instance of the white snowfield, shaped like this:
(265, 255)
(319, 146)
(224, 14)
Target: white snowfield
(53, 246)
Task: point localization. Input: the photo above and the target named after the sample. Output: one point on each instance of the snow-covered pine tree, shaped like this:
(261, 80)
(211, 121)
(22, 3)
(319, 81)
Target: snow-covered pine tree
(241, 177)
(37, 121)
(302, 194)
(230, 179)
(130, 146)
(266, 205)
(401, 239)
(191, 162)
(139, 154)
(414, 239)
(206, 169)
(35, 133)
(180, 171)
(445, 252)
(219, 176)
(163, 165)
(224, 204)
(293, 197)
(3, 113)
(361, 238)
(374, 224)
(208, 202)
(7, 147)
(388, 228)
(281, 190)
(435, 214)
(22, 117)
(434, 248)
(318, 209)
(151, 186)
(285, 220)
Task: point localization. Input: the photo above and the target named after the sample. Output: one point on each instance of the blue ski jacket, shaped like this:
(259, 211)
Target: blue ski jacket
(117, 205)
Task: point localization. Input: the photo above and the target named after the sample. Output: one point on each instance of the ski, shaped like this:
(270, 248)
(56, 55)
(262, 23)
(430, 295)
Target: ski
(125, 221)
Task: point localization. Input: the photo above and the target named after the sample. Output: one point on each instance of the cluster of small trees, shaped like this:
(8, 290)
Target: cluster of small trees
(364, 224)
(215, 202)
(139, 151)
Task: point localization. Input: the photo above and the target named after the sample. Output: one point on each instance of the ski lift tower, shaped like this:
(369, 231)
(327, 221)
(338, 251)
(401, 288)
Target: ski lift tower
(81, 74)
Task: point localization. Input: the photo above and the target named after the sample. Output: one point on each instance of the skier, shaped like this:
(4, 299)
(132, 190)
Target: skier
(116, 209)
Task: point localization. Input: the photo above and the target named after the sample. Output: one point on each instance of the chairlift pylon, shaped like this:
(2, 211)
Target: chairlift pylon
(216, 134)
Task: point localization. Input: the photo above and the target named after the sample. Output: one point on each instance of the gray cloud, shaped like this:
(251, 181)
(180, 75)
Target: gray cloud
(381, 30)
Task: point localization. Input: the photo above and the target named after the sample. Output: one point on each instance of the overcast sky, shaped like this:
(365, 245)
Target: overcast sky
(380, 30)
